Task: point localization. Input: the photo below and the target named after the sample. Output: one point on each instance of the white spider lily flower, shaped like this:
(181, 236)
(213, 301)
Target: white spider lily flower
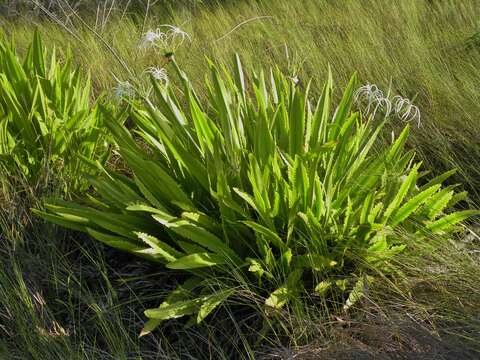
(406, 110)
(166, 38)
(124, 89)
(153, 39)
(174, 31)
(159, 74)
(370, 99)
(373, 99)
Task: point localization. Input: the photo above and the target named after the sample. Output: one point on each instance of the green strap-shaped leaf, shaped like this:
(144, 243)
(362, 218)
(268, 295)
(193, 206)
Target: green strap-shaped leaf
(199, 236)
(343, 109)
(118, 242)
(281, 296)
(318, 134)
(174, 310)
(211, 303)
(438, 203)
(248, 198)
(205, 128)
(198, 260)
(314, 261)
(367, 206)
(396, 150)
(240, 77)
(297, 124)
(77, 224)
(121, 224)
(412, 205)
(256, 266)
(202, 220)
(269, 235)
(402, 192)
(181, 293)
(323, 286)
(171, 309)
(439, 179)
(359, 290)
(223, 106)
(164, 250)
(447, 222)
(157, 180)
(457, 198)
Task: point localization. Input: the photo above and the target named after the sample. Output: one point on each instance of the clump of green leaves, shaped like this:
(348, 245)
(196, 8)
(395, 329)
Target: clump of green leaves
(47, 123)
(258, 188)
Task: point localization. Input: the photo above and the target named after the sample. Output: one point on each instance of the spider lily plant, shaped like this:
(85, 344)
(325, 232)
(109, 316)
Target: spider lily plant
(46, 119)
(258, 188)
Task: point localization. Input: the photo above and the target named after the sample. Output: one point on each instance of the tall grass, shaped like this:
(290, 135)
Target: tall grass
(92, 302)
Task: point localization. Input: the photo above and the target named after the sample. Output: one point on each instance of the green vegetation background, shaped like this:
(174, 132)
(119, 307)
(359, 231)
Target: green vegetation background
(426, 50)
